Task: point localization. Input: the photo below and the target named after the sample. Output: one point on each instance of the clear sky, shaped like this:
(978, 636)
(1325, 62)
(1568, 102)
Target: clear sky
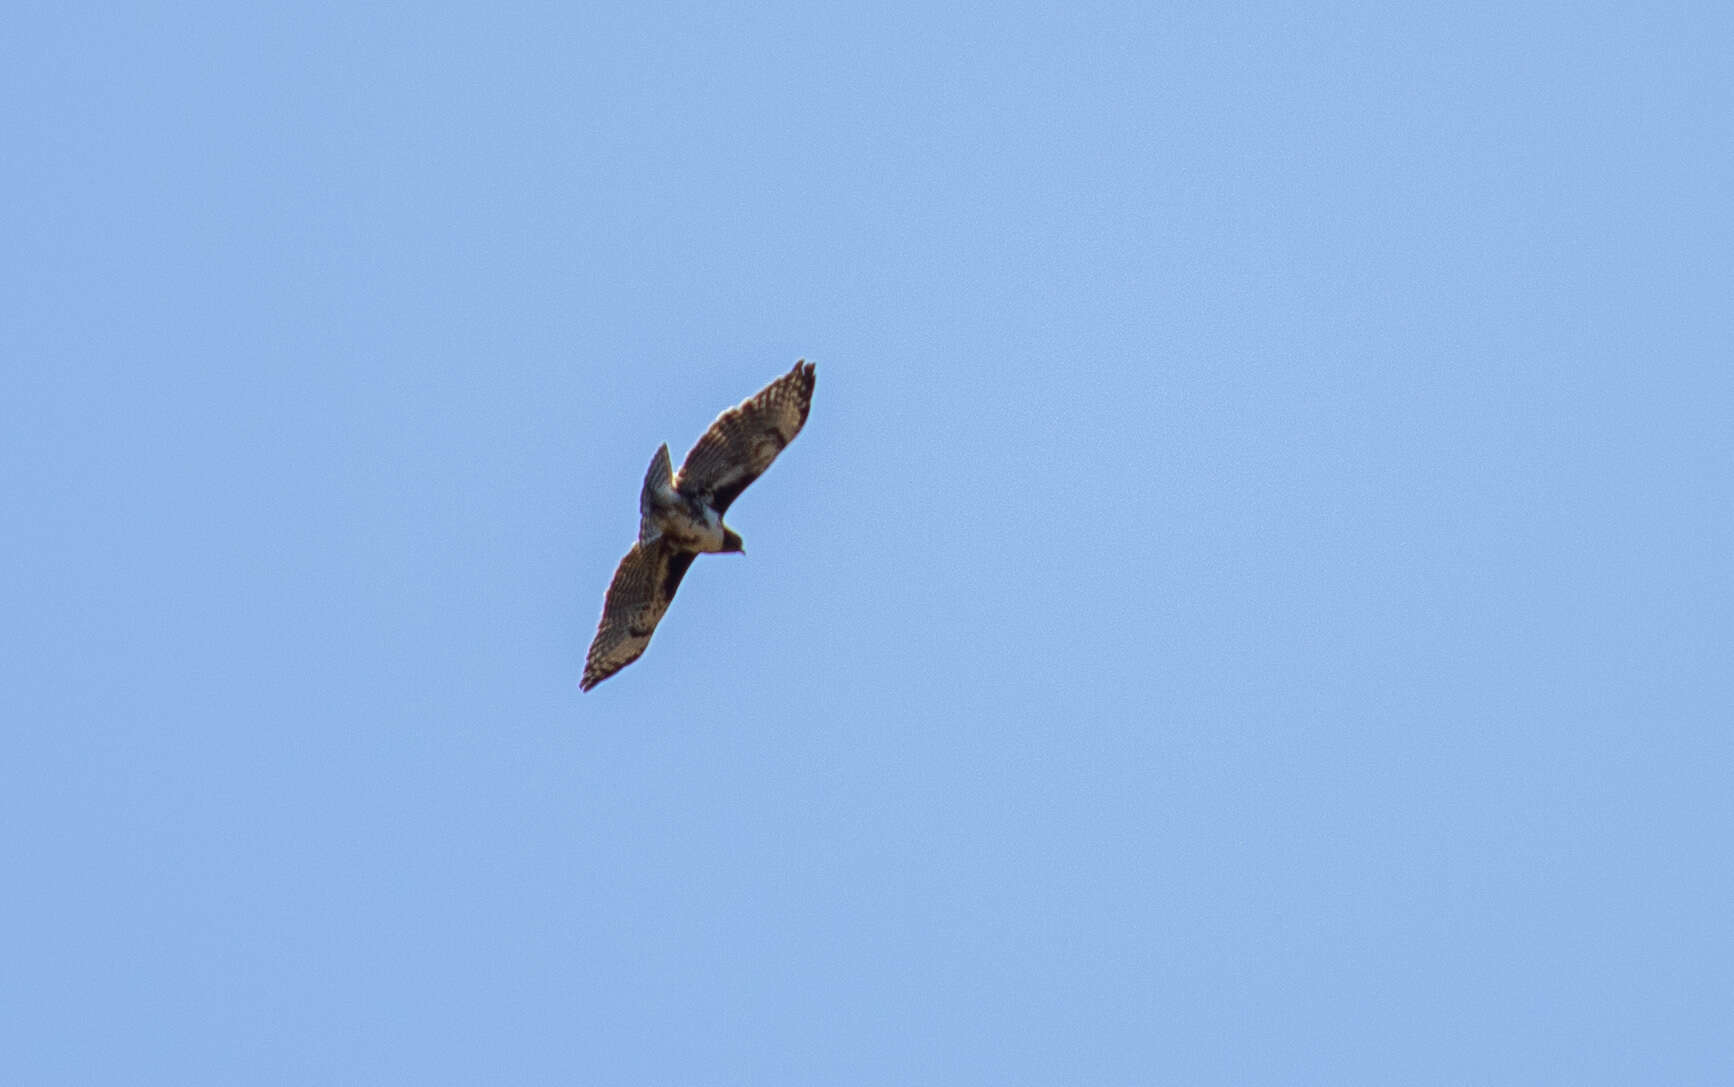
(1253, 602)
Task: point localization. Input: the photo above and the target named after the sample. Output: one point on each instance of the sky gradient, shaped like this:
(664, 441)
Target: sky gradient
(1252, 603)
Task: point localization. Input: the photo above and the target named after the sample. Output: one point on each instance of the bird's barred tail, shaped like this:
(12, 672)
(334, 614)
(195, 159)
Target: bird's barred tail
(660, 477)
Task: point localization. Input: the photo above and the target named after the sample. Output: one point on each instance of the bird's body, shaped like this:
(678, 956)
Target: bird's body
(680, 517)
(685, 521)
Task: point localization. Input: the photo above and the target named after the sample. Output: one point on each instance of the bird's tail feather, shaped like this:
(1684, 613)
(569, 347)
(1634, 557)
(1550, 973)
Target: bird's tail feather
(660, 477)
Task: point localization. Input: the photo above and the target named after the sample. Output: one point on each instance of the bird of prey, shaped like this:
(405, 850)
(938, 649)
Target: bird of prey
(680, 516)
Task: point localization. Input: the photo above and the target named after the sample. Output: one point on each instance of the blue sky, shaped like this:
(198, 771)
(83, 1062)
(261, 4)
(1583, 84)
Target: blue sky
(1252, 602)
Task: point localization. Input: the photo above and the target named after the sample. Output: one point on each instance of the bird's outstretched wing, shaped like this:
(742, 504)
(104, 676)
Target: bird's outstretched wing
(745, 439)
(643, 585)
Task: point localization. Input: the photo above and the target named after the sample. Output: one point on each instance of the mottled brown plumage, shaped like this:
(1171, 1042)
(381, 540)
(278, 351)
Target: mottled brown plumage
(744, 440)
(681, 518)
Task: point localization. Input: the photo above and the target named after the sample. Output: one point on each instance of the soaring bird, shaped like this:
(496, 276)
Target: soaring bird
(681, 516)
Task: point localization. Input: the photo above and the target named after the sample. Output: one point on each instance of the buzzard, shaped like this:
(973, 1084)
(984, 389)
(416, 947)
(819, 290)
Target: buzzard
(680, 516)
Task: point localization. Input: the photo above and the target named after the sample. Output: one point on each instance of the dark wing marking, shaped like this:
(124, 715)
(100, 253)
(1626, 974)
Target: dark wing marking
(644, 584)
(677, 564)
(745, 439)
